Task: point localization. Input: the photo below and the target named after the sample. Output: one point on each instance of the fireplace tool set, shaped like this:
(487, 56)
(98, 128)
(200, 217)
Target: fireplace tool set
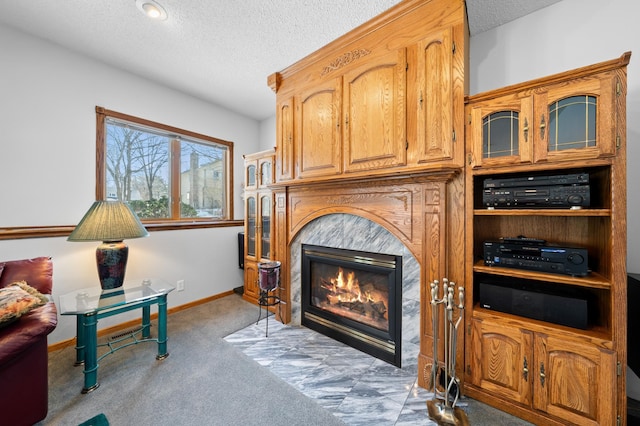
(442, 380)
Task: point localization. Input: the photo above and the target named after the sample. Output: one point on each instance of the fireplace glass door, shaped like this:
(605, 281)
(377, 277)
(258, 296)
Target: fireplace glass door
(354, 297)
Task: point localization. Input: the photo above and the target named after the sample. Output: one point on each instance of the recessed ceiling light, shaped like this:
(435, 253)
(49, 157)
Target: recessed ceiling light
(152, 9)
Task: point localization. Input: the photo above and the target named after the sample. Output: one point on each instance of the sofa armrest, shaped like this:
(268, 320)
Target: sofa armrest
(27, 330)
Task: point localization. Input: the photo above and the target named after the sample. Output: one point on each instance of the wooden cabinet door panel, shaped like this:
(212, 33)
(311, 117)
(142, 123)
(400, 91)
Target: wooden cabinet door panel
(374, 114)
(317, 130)
(251, 291)
(284, 140)
(501, 360)
(434, 107)
(575, 381)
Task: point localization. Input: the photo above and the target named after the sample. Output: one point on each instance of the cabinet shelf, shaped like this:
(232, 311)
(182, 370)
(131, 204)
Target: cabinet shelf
(599, 334)
(544, 212)
(593, 280)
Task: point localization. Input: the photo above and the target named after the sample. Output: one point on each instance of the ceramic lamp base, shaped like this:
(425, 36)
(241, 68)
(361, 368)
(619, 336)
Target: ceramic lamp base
(112, 262)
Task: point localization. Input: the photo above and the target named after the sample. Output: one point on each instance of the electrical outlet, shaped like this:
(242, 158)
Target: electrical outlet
(180, 285)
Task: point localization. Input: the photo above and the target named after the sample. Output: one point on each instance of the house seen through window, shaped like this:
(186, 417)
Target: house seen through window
(162, 172)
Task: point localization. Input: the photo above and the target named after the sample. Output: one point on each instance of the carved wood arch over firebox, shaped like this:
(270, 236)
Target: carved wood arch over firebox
(403, 206)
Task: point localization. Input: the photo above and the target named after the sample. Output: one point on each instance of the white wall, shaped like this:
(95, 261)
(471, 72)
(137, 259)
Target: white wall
(561, 37)
(48, 97)
(268, 133)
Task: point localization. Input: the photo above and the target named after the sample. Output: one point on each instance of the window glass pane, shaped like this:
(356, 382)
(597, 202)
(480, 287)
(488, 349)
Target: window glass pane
(500, 134)
(137, 169)
(202, 180)
(572, 123)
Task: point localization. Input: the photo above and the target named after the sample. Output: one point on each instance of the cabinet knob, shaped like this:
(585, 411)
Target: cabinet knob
(543, 126)
(525, 370)
(525, 130)
(542, 376)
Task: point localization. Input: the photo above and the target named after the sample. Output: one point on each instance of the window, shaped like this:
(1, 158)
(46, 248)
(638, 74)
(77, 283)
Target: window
(165, 174)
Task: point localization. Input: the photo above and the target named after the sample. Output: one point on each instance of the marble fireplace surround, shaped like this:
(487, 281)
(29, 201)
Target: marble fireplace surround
(357, 233)
(404, 216)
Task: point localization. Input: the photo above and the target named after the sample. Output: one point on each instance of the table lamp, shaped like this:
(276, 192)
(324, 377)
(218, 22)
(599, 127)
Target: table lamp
(110, 222)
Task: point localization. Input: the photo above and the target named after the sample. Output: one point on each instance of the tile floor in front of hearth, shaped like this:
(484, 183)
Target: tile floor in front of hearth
(354, 386)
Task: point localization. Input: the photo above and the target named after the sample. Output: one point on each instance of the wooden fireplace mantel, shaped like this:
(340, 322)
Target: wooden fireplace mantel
(422, 210)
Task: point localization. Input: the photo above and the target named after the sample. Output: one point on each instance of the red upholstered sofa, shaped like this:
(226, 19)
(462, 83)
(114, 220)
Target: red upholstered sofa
(23, 347)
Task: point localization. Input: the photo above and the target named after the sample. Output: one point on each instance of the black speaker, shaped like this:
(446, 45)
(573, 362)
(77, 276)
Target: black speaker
(531, 301)
(241, 250)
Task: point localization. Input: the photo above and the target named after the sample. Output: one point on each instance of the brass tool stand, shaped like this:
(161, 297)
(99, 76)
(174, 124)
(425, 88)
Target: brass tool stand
(442, 381)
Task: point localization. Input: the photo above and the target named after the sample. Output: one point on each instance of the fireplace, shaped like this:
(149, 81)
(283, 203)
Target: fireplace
(354, 297)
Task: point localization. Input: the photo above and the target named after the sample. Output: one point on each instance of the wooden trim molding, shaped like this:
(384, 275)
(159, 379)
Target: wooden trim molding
(22, 232)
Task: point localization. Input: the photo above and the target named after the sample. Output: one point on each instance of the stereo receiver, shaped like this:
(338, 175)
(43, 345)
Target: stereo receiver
(536, 255)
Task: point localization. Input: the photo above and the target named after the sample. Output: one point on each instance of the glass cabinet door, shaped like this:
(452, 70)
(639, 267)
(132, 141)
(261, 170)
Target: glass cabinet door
(251, 226)
(265, 227)
(574, 120)
(500, 132)
(265, 173)
(251, 176)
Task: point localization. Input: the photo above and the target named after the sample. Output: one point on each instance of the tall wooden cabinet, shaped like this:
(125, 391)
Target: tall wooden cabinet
(538, 369)
(259, 211)
(383, 102)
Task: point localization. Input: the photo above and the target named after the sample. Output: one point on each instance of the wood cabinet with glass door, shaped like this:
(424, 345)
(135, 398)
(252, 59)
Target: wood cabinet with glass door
(259, 210)
(541, 369)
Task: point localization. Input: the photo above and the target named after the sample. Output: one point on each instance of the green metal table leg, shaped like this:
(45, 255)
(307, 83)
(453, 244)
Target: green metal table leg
(80, 344)
(90, 332)
(162, 328)
(146, 322)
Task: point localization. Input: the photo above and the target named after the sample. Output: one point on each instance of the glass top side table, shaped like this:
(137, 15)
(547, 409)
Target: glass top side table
(92, 303)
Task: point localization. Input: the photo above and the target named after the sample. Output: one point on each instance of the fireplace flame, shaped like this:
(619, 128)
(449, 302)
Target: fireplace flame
(346, 292)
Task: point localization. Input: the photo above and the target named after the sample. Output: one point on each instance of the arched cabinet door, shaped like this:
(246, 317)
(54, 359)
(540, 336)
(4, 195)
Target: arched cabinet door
(499, 132)
(501, 360)
(575, 381)
(577, 120)
(374, 119)
(317, 130)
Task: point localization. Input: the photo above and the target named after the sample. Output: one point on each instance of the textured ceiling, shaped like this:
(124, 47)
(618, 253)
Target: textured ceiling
(218, 50)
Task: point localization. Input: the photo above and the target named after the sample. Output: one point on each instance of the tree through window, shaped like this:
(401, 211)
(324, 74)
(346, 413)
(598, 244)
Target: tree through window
(164, 173)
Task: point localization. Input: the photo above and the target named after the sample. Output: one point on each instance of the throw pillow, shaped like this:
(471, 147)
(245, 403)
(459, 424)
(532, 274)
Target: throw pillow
(17, 299)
